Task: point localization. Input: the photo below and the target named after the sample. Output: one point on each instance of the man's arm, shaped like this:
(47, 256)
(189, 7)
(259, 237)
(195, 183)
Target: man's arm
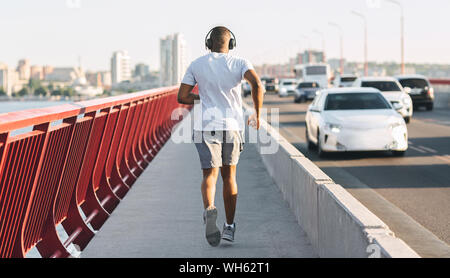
(257, 92)
(185, 95)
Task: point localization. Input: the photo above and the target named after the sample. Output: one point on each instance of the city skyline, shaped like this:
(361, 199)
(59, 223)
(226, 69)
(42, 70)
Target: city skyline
(85, 30)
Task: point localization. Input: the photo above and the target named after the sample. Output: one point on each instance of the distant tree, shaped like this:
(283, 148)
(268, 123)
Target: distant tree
(34, 84)
(2, 92)
(40, 91)
(68, 92)
(50, 87)
(56, 92)
(23, 92)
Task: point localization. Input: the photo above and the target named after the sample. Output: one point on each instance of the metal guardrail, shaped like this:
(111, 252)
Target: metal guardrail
(436, 81)
(75, 172)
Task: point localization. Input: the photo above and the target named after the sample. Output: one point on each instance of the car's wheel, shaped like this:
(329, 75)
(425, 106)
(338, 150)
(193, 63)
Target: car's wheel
(407, 119)
(430, 106)
(296, 100)
(310, 144)
(320, 151)
(398, 153)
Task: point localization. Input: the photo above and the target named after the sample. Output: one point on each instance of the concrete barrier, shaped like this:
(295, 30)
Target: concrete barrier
(442, 97)
(336, 223)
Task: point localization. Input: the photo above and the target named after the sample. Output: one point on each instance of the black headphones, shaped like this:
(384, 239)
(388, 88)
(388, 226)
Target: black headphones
(209, 43)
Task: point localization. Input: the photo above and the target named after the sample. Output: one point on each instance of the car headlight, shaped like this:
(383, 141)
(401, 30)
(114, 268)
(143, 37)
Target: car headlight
(283, 90)
(397, 105)
(406, 100)
(335, 128)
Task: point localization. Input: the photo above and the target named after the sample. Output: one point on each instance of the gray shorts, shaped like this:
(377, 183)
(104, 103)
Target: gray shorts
(218, 148)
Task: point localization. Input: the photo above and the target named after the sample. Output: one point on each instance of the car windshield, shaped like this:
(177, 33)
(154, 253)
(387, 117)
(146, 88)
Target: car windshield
(414, 83)
(288, 83)
(356, 101)
(308, 85)
(384, 86)
(348, 79)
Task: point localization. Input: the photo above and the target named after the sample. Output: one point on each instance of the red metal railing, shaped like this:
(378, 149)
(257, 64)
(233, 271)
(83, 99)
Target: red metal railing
(86, 163)
(436, 81)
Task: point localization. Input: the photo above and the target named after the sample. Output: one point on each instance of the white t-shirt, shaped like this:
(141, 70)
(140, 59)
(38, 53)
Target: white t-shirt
(219, 77)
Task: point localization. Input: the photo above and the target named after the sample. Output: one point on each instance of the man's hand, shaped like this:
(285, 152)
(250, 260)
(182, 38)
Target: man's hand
(257, 94)
(253, 121)
(185, 95)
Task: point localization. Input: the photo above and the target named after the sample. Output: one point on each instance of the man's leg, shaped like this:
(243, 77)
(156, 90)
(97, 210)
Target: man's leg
(210, 213)
(230, 191)
(209, 186)
(209, 150)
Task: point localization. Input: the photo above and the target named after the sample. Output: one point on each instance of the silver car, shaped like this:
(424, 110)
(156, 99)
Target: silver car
(306, 91)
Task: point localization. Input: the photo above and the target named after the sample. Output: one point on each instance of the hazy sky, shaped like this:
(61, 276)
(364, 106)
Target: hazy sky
(56, 32)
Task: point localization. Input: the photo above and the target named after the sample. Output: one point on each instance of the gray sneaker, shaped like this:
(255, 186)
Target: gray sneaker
(212, 231)
(228, 232)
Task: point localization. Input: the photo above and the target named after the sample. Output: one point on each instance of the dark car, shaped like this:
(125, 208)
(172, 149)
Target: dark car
(271, 84)
(419, 89)
(306, 91)
(246, 89)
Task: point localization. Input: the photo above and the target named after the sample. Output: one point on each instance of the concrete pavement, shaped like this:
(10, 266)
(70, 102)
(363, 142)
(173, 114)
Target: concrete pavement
(161, 216)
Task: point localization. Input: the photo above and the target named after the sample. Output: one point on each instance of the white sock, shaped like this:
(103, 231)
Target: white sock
(228, 225)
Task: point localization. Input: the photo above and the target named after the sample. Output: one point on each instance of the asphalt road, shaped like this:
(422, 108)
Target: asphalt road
(411, 194)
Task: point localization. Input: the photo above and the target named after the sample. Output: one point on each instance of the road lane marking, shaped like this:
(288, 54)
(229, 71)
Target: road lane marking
(427, 149)
(417, 149)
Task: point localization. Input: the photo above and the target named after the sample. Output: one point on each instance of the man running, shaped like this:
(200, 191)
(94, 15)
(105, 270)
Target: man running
(218, 127)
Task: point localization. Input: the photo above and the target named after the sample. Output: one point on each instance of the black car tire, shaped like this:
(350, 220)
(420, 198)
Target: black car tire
(309, 143)
(407, 120)
(398, 153)
(320, 152)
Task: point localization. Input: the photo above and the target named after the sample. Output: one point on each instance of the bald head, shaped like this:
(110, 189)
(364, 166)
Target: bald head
(220, 38)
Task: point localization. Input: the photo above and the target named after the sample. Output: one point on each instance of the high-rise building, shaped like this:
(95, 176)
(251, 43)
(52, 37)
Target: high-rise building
(165, 48)
(106, 79)
(4, 77)
(8, 78)
(47, 70)
(24, 69)
(141, 70)
(37, 73)
(120, 67)
(311, 57)
(173, 59)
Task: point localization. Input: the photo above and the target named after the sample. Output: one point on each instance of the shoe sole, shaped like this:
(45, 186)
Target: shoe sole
(228, 239)
(212, 231)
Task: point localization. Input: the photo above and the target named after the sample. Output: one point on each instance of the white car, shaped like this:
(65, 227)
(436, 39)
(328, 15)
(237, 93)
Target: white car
(354, 119)
(287, 87)
(392, 90)
(344, 80)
